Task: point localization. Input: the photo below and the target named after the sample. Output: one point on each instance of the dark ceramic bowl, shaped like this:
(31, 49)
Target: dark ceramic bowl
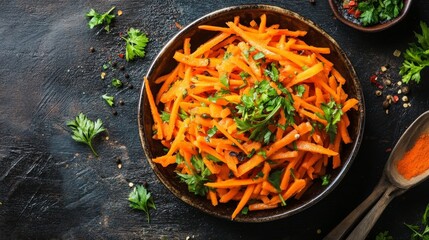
(164, 63)
(340, 14)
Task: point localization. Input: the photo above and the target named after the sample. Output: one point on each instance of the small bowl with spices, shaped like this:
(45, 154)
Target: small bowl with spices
(370, 15)
(251, 113)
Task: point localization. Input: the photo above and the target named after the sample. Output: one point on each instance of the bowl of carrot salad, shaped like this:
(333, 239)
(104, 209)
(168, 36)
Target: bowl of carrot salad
(251, 113)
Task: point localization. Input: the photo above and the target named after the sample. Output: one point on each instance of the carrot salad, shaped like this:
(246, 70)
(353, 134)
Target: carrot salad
(254, 115)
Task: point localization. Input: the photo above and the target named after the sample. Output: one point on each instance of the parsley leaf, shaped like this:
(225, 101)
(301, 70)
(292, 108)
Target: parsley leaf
(141, 199)
(116, 83)
(258, 109)
(326, 179)
(84, 130)
(110, 100)
(198, 178)
(299, 89)
(136, 43)
(165, 116)
(332, 114)
(100, 19)
(383, 236)
(275, 178)
(420, 232)
(416, 57)
(375, 11)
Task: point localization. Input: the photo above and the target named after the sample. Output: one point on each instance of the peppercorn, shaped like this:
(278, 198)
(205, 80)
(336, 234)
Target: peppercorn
(130, 86)
(122, 68)
(405, 89)
(404, 98)
(386, 104)
(114, 64)
(91, 49)
(127, 75)
(121, 102)
(114, 112)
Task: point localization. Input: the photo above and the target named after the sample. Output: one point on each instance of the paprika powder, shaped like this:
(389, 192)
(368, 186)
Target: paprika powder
(416, 160)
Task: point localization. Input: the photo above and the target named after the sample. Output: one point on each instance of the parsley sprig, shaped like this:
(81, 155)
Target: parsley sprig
(375, 11)
(421, 232)
(416, 57)
(199, 176)
(332, 114)
(100, 19)
(141, 199)
(84, 130)
(258, 109)
(136, 43)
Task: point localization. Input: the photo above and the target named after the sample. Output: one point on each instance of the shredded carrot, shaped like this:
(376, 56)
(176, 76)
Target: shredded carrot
(211, 117)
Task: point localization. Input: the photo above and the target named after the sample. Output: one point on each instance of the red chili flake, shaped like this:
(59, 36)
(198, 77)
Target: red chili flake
(395, 98)
(121, 55)
(373, 78)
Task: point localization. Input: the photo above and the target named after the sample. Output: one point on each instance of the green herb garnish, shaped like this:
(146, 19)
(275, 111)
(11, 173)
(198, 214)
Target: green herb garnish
(326, 179)
(116, 83)
(100, 19)
(110, 100)
(332, 114)
(383, 236)
(198, 178)
(258, 109)
(141, 199)
(84, 130)
(136, 44)
(416, 57)
(420, 232)
(375, 11)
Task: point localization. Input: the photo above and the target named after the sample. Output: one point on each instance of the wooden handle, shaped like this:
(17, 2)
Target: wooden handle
(343, 227)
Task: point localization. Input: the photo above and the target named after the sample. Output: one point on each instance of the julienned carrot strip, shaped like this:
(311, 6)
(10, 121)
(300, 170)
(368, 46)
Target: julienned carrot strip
(250, 164)
(213, 198)
(306, 74)
(229, 195)
(289, 138)
(209, 44)
(352, 102)
(154, 110)
(244, 200)
(312, 147)
(233, 183)
(261, 206)
(220, 128)
(210, 90)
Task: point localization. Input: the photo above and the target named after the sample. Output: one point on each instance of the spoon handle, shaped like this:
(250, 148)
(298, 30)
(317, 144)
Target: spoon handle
(365, 226)
(342, 228)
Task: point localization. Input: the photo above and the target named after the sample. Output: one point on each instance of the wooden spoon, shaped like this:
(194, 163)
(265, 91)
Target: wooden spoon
(390, 185)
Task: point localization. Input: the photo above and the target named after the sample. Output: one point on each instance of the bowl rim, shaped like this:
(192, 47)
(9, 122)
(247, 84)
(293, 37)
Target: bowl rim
(374, 28)
(344, 168)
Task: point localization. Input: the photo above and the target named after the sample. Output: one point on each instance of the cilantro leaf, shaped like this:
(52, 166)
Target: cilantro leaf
(416, 57)
(165, 116)
(299, 89)
(84, 130)
(326, 179)
(136, 44)
(141, 199)
(100, 19)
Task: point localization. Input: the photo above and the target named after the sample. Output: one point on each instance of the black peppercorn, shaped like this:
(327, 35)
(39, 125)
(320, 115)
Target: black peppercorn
(405, 89)
(91, 49)
(127, 75)
(386, 104)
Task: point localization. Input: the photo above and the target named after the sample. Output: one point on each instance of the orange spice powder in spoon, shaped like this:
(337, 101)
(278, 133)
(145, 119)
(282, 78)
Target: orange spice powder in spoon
(416, 160)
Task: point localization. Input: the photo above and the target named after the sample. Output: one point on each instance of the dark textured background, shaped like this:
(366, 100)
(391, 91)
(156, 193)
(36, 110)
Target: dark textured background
(52, 187)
